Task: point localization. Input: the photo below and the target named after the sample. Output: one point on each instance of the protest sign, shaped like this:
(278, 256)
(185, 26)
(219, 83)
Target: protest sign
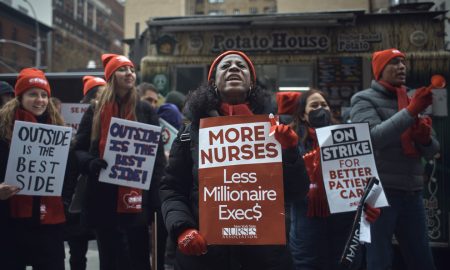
(37, 158)
(130, 152)
(347, 165)
(72, 114)
(168, 134)
(241, 197)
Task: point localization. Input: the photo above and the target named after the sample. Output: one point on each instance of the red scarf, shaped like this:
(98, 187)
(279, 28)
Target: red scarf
(408, 146)
(129, 200)
(240, 109)
(51, 208)
(317, 199)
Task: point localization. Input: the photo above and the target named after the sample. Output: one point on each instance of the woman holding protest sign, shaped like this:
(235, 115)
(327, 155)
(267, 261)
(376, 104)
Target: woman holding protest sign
(118, 214)
(31, 225)
(76, 234)
(317, 239)
(231, 90)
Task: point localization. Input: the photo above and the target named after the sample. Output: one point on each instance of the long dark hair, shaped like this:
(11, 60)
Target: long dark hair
(203, 100)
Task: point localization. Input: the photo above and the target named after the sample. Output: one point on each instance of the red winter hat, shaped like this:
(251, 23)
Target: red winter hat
(381, 58)
(29, 78)
(111, 62)
(90, 82)
(243, 55)
(287, 102)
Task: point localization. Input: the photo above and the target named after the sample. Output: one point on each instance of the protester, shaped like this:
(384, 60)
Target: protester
(121, 229)
(400, 137)
(231, 90)
(6, 93)
(317, 239)
(31, 225)
(92, 88)
(149, 93)
(76, 234)
(177, 98)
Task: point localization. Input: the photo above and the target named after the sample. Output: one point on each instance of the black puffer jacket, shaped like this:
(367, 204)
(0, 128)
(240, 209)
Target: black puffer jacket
(100, 206)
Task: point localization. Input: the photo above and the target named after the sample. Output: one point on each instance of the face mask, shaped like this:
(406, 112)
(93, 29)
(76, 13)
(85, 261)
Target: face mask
(319, 118)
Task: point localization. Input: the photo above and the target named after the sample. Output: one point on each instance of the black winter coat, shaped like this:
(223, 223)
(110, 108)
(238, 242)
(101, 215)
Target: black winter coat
(179, 187)
(100, 205)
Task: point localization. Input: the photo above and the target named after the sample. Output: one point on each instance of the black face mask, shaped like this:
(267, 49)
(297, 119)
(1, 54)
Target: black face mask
(319, 118)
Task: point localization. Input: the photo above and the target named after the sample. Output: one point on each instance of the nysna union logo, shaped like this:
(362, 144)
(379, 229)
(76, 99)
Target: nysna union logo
(38, 81)
(133, 200)
(43, 211)
(165, 135)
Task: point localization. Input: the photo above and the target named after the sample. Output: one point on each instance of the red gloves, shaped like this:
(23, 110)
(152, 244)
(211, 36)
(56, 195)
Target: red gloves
(372, 213)
(421, 131)
(283, 134)
(421, 99)
(191, 242)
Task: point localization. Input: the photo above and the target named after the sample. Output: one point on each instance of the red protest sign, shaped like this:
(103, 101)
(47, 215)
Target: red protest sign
(241, 196)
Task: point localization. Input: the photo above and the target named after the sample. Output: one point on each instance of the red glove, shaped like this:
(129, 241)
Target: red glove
(421, 99)
(283, 134)
(191, 242)
(421, 131)
(372, 213)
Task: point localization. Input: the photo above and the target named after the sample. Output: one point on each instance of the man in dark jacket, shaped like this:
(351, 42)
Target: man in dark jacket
(400, 136)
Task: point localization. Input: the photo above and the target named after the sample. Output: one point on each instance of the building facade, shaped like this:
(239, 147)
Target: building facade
(18, 32)
(83, 30)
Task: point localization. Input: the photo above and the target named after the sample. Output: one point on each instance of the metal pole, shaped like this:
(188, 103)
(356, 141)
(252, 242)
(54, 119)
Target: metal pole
(38, 37)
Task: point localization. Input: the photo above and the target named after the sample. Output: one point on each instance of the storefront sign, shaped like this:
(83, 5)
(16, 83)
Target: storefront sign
(277, 41)
(241, 197)
(357, 42)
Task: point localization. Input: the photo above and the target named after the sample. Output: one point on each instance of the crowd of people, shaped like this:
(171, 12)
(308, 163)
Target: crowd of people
(35, 227)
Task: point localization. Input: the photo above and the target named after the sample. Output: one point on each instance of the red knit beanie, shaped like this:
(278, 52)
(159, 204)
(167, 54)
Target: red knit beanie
(287, 102)
(29, 78)
(381, 58)
(243, 55)
(90, 82)
(111, 62)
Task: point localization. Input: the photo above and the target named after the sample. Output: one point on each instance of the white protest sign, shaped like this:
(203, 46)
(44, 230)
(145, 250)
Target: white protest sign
(347, 165)
(168, 133)
(130, 152)
(72, 114)
(37, 158)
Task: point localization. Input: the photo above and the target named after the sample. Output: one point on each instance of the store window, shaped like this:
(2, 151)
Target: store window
(295, 75)
(188, 77)
(215, 1)
(272, 77)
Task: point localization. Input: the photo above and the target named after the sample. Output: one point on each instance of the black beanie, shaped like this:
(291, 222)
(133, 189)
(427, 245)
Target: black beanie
(6, 88)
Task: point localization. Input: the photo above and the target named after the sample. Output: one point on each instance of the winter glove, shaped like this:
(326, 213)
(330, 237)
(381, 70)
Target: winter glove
(372, 213)
(421, 131)
(96, 164)
(421, 99)
(191, 242)
(283, 134)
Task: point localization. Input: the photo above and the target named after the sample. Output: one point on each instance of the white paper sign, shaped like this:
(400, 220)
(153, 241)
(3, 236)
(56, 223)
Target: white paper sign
(37, 158)
(168, 133)
(130, 152)
(72, 114)
(347, 165)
